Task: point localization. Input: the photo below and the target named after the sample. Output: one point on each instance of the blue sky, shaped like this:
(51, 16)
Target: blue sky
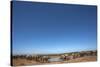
(41, 28)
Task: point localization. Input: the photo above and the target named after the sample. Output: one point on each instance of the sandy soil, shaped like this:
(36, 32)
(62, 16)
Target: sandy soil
(22, 62)
(83, 59)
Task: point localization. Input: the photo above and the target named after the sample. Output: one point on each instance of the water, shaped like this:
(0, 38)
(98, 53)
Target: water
(55, 59)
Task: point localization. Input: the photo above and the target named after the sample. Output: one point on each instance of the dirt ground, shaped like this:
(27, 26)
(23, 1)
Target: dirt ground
(83, 59)
(24, 62)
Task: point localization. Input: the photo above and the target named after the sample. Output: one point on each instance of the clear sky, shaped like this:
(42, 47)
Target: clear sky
(53, 28)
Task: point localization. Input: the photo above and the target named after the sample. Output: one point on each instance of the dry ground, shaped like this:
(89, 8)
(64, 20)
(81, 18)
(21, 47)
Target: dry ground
(22, 62)
(83, 59)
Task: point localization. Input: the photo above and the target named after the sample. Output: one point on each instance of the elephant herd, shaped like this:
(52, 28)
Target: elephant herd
(75, 55)
(65, 57)
(42, 59)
